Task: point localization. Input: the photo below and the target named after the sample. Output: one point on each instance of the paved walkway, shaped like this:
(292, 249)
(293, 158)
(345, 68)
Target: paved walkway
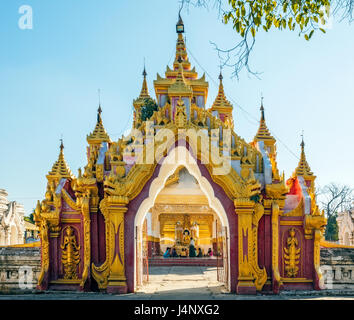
(183, 283)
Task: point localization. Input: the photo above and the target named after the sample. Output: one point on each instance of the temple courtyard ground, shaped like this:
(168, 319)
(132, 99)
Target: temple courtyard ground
(183, 283)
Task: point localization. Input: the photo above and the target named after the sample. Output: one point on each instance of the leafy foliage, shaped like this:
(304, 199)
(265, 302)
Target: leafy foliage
(248, 17)
(251, 15)
(331, 233)
(147, 110)
(30, 218)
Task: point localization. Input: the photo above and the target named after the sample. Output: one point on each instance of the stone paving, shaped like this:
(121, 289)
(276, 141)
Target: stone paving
(183, 283)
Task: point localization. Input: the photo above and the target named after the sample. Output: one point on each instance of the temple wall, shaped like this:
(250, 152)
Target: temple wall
(337, 265)
(17, 263)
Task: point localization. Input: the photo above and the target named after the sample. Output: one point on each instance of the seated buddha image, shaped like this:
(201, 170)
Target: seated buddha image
(186, 237)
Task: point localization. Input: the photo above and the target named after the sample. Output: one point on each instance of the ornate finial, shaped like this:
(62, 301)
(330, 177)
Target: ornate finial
(303, 167)
(61, 144)
(262, 108)
(220, 75)
(99, 110)
(302, 140)
(144, 72)
(180, 24)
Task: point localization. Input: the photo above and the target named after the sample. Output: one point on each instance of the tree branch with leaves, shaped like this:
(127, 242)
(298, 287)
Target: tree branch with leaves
(248, 17)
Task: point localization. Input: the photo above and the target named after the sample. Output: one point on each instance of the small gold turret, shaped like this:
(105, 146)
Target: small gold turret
(181, 50)
(303, 169)
(222, 105)
(144, 94)
(60, 168)
(99, 134)
(264, 135)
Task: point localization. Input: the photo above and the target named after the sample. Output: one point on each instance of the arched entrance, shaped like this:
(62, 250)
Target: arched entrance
(217, 201)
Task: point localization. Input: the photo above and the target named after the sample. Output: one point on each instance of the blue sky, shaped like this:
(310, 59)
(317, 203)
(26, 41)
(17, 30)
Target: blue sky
(49, 78)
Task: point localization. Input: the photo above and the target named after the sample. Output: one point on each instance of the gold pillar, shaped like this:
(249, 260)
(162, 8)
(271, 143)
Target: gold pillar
(244, 208)
(276, 282)
(111, 274)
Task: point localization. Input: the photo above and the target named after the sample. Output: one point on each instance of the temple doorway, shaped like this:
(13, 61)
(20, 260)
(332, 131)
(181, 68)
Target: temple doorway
(182, 234)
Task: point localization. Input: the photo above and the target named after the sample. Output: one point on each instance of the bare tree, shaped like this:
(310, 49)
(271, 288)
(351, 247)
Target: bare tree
(334, 198)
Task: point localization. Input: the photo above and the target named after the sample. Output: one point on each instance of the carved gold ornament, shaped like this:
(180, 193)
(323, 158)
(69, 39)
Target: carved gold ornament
(292, 255)
(70, 254)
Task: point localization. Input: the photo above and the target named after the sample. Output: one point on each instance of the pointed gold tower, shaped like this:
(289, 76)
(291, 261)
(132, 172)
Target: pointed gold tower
(303, 169)
(269, 141)
(181, 50)
(99, 134)
(263, 134)
(222, 106)
(60, 168)
(144, 93)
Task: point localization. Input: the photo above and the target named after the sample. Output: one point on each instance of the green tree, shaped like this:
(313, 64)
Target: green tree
(331, 233)
(248, 17)
(148, 109)
(29, 218)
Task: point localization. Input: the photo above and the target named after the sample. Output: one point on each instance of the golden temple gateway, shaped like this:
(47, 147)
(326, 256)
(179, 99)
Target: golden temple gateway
(183, 183)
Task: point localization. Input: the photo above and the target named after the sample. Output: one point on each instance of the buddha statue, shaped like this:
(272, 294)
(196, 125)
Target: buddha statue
(70, 254)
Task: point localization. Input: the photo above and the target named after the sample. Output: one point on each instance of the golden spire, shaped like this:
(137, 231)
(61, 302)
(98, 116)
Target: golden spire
(263, 131)
(221, 103)
(144, 94)
(99, 134)
(303, 168)
(60, 168)
(181, 50)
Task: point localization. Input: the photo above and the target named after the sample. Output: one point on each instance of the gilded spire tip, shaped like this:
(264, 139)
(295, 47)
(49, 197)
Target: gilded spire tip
(61, 145)
(262, 109)
(302, 144)
(99, 111)
(220, 76)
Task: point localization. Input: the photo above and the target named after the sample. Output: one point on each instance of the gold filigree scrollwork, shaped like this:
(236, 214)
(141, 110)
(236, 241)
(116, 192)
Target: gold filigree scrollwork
(100, 274)
(317, 257)
(275, 244)
(70, 254)
(85, 210)
(259, 274)
(180, 117)
(292, 254)
(112, 271)
(249, 214)
(44, 251)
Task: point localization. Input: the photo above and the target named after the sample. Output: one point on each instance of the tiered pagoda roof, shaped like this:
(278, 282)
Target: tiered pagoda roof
(263, 133)
(221, 103)
(303, 168)
(60, 168)
(99, 134)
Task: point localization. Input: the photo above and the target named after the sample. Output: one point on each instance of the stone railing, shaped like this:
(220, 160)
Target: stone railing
(337, 265)
(19, 269)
